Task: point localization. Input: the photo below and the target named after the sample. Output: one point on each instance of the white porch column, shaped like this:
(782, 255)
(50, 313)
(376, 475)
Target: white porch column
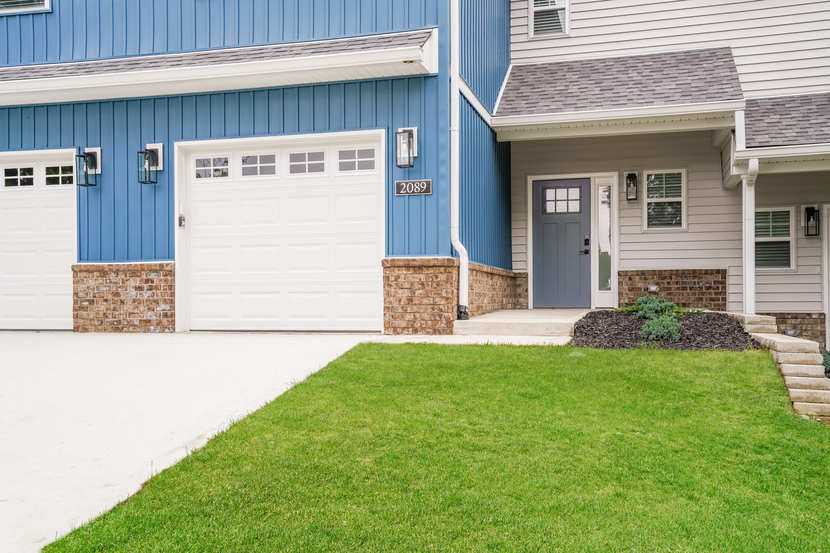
(749, 236)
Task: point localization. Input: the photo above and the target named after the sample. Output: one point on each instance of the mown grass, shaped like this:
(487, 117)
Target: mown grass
(484, 448)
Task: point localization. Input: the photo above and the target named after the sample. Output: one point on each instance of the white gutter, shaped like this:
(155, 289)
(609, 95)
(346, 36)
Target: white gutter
(455, 160)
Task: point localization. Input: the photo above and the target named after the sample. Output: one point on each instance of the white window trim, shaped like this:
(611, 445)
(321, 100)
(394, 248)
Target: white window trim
(246, 153)
(47, 6)
(531, 20)
(336, 160)
(684, 204)
(193, 167)
(326, 157)
(792, 240)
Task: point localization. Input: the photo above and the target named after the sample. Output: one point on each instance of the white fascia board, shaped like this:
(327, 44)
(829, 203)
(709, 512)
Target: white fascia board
(617, 127)
(471, 97)
(710, 109)
(415, 60)
(800, 150)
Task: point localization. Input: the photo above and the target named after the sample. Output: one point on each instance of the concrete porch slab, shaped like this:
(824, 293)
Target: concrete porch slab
(522, 322)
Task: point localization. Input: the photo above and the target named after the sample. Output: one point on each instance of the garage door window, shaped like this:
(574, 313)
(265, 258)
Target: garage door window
(60, 175)
(212, 167)
(301, 163)
(356, 160)
(263, 165)
(18, 176)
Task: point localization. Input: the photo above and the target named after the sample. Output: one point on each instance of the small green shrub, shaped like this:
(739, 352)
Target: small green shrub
(653, 308)
(664, 327)
(827, 363)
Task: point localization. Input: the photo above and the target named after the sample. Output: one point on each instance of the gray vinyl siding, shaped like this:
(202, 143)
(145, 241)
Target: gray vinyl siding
(781, 47)
(712, 239)
(798, 290)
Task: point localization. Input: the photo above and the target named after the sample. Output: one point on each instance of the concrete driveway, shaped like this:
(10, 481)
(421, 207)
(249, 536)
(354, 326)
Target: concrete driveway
(85, 419)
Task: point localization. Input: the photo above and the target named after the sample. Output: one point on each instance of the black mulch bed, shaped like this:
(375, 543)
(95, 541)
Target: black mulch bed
(610, 330)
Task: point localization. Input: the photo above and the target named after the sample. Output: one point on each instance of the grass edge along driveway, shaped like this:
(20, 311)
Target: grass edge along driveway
(498, 448)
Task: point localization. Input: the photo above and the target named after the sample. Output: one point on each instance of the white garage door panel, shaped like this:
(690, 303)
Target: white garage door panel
(37, 250)
(286, 253)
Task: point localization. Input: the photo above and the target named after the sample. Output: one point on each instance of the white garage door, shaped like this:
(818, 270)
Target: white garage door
(37, 242)
(286, 238)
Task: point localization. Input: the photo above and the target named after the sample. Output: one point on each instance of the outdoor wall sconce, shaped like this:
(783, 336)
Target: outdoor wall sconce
(631, 187)
(150, 163)
(653, 288)
(89, 167)
(812, 223)
(791, 332)
(406, 144)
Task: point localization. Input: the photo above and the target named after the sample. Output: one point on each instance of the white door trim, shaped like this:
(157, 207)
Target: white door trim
(182, 151)
(615, 231)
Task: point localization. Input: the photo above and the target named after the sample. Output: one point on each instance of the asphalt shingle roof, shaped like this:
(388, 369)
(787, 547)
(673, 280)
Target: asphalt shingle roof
(788, 120)
(669, 78)
(216, 57)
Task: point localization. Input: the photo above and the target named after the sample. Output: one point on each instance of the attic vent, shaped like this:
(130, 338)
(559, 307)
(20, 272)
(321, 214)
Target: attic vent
(22, 5)
(549, 17)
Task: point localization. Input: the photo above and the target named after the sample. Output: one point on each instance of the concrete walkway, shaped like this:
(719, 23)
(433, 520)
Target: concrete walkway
(85, 419)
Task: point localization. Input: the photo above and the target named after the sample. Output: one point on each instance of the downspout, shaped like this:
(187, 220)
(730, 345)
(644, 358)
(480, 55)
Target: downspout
(455, 161)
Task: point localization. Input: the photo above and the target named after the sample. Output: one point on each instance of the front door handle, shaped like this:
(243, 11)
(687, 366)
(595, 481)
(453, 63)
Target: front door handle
(585, 251)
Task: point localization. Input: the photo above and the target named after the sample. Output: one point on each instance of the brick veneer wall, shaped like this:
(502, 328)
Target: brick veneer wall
(420, 295)
(129, 297)
(697, 288)
(493, 289)
(810, 326)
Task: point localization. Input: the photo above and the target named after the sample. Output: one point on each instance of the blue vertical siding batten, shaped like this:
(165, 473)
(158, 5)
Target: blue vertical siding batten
(121, 220)
(485, 47)
(77, 30)
(484, 192)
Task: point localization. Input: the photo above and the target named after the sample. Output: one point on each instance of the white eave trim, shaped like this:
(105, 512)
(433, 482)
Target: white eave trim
(800, 150)
(367, 64)
(471, 97)
(726, 108)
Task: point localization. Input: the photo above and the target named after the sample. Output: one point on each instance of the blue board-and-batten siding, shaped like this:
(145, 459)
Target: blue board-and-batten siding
(121, 220)
(485, 218)
(94, 29)
(485, 47)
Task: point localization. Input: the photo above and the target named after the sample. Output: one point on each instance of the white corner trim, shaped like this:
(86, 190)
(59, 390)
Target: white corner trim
(474, 101)
(501, 90)
(413, 60)
(710, 109)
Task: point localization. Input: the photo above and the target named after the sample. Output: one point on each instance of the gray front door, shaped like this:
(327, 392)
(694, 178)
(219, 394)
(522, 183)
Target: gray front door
(561, 243)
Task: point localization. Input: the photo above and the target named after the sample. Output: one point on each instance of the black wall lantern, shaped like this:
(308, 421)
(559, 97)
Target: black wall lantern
(812, 222)
(89, 167)
(149, 164)
(405, 148)
(631, 187)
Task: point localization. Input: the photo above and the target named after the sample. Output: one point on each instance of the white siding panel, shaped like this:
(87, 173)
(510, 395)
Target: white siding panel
(780, 46)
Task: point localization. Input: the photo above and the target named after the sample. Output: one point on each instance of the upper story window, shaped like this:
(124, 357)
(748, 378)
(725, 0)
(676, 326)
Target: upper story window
(17, 6)
(549, 17)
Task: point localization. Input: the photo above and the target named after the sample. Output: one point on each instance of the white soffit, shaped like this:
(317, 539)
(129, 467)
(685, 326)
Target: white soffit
(346, 66)
(656, 119)
(805, 158)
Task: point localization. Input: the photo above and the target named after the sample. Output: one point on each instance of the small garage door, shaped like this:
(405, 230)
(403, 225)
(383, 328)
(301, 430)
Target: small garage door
(286, 238)
(37, 242)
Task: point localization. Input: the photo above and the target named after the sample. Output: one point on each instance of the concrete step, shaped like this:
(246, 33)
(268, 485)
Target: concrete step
(784, 358)
(814, 409)
(512, 328)
(786, 344)
(803, 370)
(810, 396)
(746, 319)
(807, 383)
(761, 329)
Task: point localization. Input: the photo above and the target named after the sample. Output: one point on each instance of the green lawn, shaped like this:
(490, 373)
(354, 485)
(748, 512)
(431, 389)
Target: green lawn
(485, 448)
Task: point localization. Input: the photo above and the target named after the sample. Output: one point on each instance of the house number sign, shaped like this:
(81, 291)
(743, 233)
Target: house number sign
(413, 187)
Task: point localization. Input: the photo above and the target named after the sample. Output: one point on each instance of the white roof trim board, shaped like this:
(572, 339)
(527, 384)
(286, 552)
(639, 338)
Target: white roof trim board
(369, 57)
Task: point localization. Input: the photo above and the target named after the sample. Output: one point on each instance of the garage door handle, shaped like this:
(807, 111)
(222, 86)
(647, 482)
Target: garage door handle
(182, 221)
